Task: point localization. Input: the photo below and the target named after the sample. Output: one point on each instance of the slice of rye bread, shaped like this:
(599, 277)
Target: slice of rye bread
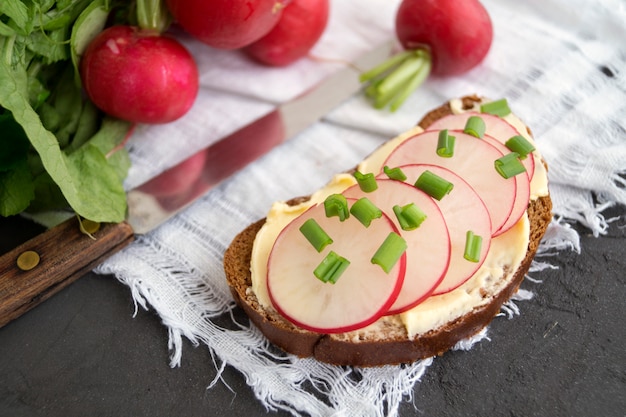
(389, 343)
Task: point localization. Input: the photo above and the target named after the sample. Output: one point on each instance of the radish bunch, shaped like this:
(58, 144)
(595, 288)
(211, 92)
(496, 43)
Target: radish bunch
(140, 74)
(440, 37)
(442, 194)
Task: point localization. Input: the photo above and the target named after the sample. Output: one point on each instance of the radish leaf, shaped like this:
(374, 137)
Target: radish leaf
(16, 188)
(17, 11)
(90, 22)
(88, 182)
(64, 154)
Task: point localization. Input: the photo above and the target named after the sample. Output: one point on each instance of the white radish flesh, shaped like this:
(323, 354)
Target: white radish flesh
(522, 187)
(462, 210)
(473, 160)
(496, 127)
(428, 246)
(363, 292)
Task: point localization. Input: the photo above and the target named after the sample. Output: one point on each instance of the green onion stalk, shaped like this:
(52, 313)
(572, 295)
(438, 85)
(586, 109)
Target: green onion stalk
(153, 15)
(393, 81)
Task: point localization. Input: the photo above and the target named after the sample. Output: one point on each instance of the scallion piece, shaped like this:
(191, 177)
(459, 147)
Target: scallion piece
(316, 236)
(473, 246)
(520, 145)
(367, 182)
(394, 173)
(475, 126)
(498, 108)
(433, 185)
(331, 268)
(445, 144)
(336, 205)
(509, 165)
(410, 216)
(389, 252)
(365, 211)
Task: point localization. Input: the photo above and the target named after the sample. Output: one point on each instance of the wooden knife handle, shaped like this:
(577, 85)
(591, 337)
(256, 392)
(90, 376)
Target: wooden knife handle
(65, 254)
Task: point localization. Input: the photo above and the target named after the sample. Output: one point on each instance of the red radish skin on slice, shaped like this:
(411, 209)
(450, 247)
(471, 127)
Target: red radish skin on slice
(496, 127)
(522, 198)
(473, 160)
(462, 210)
(362, 294)
(428, 246)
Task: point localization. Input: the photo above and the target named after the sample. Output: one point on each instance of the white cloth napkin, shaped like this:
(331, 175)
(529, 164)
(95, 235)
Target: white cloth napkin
(561, 65)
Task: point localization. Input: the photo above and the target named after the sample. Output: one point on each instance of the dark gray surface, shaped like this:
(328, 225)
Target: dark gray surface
(82, 353)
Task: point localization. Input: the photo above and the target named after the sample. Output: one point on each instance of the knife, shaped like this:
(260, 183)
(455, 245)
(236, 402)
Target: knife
(45, 264)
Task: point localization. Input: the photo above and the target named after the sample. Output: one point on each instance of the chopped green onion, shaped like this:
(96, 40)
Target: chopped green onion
(498, 108)
(473, 246)
(316, 236)
(410, 216)
(367, 182)
(394, 173)
(336, 205)
(331, 268)
(520, 145)
(433, 185)
(365, 211)
(509, 165)
(445, 144)
(475, 126)
(389, 252)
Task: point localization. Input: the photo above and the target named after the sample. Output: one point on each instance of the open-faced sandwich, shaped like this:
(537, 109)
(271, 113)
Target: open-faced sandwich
(414, 250)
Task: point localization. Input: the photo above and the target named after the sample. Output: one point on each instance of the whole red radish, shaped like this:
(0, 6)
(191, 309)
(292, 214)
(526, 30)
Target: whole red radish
(227, 24)
(139, 75)
(298, 30)
(445, 37)
(457, 33)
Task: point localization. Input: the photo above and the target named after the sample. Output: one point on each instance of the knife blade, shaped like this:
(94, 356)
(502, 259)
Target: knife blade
(65, 253)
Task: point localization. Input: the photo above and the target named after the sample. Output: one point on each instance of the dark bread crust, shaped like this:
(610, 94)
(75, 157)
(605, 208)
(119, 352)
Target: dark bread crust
(396, 347)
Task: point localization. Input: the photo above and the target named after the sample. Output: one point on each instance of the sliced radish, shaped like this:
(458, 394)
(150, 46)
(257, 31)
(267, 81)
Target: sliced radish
(428, 246)
(522, 185)
(363, 292)
(496, 127)
(473, 160)
(463, 211)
